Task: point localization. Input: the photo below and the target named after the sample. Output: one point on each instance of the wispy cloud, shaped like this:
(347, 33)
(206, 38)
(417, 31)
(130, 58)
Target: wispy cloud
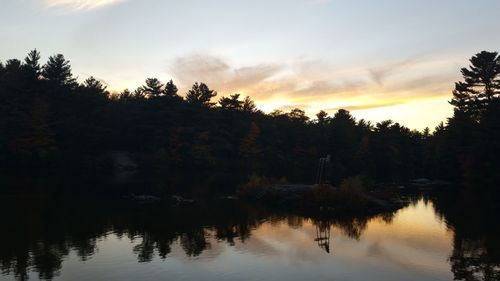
(219, 74)
(290, 107)
(366, 106)
(314, 85)
(380, 73)
(80, 5)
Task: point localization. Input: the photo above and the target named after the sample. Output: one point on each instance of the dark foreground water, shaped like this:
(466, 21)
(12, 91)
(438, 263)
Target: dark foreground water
(226, 240)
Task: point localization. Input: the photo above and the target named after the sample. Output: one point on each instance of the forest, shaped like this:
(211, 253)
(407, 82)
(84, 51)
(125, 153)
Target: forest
(52, 124)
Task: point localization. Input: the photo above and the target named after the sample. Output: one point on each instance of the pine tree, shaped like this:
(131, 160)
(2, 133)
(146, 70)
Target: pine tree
(170, 90)
(249, 105)
(153, 88)
(95, 85)
(200, 95)
(231, 103)
(32, 64)
(58, 70)
(481, 84)
(13, 66)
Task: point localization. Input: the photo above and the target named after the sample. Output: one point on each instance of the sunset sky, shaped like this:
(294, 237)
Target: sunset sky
(384, 59)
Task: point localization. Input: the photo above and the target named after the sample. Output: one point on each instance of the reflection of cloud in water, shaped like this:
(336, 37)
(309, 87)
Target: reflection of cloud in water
(413, 263)
(416, 227)
(415, 241)
(281, 241)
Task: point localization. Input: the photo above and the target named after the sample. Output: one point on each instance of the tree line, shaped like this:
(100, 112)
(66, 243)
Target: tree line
(51, 122)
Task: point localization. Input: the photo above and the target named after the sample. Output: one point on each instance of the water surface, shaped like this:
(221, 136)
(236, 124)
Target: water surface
(233, 241)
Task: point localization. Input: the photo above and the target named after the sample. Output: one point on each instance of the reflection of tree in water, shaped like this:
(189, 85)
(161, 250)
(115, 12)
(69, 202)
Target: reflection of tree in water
(295, 222)
(41, 244)
(474, 260)
(194, 242)
(48, 239)
(231, 232)
(44, 257)
(476, 245)
(352, 227)
(16, 265)
(47, 259)
(145, 249)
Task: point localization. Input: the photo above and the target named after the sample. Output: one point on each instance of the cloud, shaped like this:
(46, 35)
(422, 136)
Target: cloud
(313, 85)
(286, 108)
(366, 106)
(293, 79)
(200, 68)
(380, 73)
(329, 87)
(78, 5)
(226, 79)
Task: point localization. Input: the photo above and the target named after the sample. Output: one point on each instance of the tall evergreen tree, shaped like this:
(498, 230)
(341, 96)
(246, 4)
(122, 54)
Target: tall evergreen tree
(249, 105)
(13, 66)
(480, 86)
(58, 70)
(13, 72)
(153, 88)
(200, 95)
(170, 90)
(94, 84)
(32, 64)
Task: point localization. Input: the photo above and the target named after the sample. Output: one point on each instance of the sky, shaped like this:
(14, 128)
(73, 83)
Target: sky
(384, 59)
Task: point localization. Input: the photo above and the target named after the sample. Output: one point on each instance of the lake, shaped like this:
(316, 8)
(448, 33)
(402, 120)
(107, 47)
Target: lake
(59, 239)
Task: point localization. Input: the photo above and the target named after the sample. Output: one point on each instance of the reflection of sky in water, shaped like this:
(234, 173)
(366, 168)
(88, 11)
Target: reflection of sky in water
(414, 246)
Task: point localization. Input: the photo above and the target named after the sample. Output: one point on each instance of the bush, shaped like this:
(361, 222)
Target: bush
(255, 187)
(347, 196)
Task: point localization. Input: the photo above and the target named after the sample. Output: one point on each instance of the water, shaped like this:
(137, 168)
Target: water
(60, 240)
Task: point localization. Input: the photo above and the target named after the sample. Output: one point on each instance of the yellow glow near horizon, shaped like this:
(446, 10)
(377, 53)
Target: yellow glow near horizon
(413, 92)
(322, 56)
(417, 111)
(415, 238)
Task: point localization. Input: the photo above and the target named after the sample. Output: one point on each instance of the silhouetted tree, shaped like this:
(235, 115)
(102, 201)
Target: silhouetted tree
(32, 64)
(58, 70)
(249, 105)
(153, 88)
(95, 85)
(231, 103)
(200, 95)
(465, 147)
(480, 86)
(322, 118)
(298, 115)
(46, 117)
(13, 67)
(170, 90)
